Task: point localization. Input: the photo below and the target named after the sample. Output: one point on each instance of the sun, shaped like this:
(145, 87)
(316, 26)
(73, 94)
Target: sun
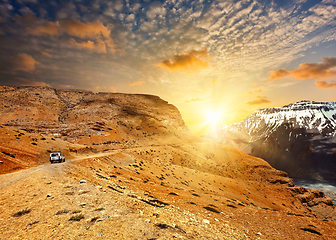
(213, 117)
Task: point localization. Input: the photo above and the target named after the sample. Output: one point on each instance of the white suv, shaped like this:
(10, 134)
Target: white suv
(57, 157)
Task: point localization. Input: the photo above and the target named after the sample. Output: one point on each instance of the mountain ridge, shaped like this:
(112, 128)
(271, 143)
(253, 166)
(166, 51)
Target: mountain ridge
(133, 155)
(298, 138)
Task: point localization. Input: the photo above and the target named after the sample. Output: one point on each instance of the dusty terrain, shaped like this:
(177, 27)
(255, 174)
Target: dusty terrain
(147, 179)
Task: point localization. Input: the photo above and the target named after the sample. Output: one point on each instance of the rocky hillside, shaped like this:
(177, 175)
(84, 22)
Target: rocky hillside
(298, 138)
(84, 116)
(133, 170)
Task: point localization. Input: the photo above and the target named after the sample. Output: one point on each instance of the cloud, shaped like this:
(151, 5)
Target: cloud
(103, 89)
(96, 31)
(324, 84)
(98, 46)
(186, 61)
(194, 100)
(25, 62)
(308, 70)
(155, 9)
(46, 54)
(49, 28)
(85, 30)
(255, 91)
(37, 84)
(139, 83)
(258, 101)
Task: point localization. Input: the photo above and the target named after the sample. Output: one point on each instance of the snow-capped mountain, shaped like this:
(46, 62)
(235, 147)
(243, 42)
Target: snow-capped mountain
(299, 138)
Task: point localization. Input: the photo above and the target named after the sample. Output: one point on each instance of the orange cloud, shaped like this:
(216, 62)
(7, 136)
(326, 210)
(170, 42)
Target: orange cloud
(194, 100)
(104, 89)
(96, 31)
(85, 30)
(25, 62)
(186, 61)
(308, 70)
(259, 100)
(255, 91)
(39, 84)
(139, 83)
(99, 46)
(324, 84)
(46, 54)
(49, 28)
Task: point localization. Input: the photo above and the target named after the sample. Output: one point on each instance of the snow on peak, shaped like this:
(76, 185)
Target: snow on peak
(303, 114)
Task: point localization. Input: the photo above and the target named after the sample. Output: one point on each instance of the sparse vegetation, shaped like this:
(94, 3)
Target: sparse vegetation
(232, 206)
(8, 154)
(211, 209)
(155, 202)
(60, 212)
(311, 230)
(32, 223)
(77, 217)
(21, 212)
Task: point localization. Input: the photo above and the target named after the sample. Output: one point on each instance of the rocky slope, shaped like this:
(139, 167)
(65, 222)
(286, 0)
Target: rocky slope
(76, 114)
(298, 138)
(145, 176)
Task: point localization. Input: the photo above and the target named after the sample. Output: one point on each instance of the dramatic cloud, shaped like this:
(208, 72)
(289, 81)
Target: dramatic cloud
(139, 83)
(308, 70)
(49, 28)
(98, 46)
(186, 61)
(25, 62)
(324, 84)
(259, 100)
(80, 29)
(100, 35)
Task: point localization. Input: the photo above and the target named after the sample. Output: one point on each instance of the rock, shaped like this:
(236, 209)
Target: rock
(147, 221)
(258, 233)
(205, 221)
(82, 181)
(246, 230)
(48, 195)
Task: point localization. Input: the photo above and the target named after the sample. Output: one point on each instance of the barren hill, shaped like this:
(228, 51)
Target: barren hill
(133, 171)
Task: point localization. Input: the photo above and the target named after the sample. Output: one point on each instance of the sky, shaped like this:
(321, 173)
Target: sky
(217, 61)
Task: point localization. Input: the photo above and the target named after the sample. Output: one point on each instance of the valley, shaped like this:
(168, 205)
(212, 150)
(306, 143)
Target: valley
(133, 171)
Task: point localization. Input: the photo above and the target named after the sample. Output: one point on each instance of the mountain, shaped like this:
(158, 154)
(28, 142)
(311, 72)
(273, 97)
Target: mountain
(299, 138)
(84, 116)
(134, 171)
